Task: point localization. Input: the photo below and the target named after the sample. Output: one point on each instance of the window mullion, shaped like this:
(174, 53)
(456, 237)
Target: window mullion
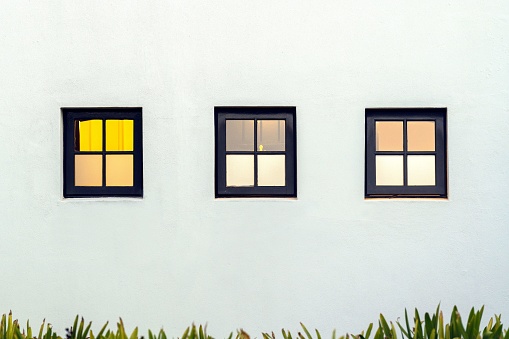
(255, 144)
(104, 152)
(405, 164)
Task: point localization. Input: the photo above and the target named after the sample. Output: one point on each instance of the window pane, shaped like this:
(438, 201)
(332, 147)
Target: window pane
(271, 170)
(239, 170)
(421, 135)
(119, 170)
(421, 170)
(240, 135)
(119, 135)
(88, 135)
(88, 170)
(270, 135)
(389, 135)
(389, 170)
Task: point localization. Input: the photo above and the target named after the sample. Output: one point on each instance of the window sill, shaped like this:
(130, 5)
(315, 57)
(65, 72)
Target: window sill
(257, 199)
(407, 199)
(97, 199)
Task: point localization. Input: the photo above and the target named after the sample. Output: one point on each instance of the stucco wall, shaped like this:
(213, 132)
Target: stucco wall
(329, 258)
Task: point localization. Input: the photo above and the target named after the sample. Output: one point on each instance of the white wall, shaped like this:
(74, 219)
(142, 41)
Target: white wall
(329, 258)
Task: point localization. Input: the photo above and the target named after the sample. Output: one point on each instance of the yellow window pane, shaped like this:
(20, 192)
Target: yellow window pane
(119, 170)
(119, 135)
(89, 135)
(88, 170)
(389, 135)
(421, 135)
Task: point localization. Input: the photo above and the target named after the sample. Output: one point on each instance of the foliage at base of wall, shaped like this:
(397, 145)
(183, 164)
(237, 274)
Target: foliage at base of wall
(432, 326)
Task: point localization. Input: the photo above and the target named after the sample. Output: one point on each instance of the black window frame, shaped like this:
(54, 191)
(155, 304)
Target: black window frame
(69, 116)
(439, 116)
(287, 113)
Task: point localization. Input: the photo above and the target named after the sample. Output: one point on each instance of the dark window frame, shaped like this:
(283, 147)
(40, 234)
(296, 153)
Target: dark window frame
(439, 116)
(69, 115)
(223, 113)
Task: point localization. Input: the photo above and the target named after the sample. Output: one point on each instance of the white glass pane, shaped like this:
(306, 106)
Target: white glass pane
(389, 135)
(270, 135)
(421, 170)
(239, 170)
(239, 135)
(389, 170)
(271, 170)
(421, 135)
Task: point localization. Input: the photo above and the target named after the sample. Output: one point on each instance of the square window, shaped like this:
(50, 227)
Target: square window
(406, 152)
(103, 155)
(255, 152)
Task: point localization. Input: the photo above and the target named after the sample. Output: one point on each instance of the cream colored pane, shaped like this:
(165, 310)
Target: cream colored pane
(119, 135)
(421, 170)
(239, 170)
(88, 170)
(239, 135)
(89, 135)
(421, 135)
(389, 170)
(389, 135)
(270, 135)
(271, 170)
(119, 170)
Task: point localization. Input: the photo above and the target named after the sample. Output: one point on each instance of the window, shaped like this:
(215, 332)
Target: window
(406, 152)
(255, 152)
(102, 152)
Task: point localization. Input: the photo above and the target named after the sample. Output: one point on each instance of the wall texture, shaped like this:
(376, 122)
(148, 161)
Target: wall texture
(329, 258)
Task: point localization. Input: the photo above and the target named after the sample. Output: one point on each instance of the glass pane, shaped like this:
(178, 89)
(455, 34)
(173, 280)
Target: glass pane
(421, 135)
(119, 135)
(389, 170)
(88, 135)
(421, 170)
(389, 135)
(88, 170)
(271, 170)
(119, 170)
(270, 135)
(239, 170)
(240, 135)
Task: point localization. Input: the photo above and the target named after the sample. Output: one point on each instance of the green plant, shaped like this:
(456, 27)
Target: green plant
(431, 326)
(160, 335)
(193, 332)
(9, 329)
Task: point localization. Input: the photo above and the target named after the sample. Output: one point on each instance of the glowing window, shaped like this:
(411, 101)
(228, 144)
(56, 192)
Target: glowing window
(255, 152)
(102, 152)
(406, 152)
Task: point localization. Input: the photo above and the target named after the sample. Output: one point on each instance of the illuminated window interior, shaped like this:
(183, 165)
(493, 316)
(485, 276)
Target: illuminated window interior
(389, 135)
(240, 136)
(420, 169)
(119, 135)
(93, 154)
(89, 135)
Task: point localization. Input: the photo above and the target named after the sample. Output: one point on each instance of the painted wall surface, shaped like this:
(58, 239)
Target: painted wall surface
(329, 258)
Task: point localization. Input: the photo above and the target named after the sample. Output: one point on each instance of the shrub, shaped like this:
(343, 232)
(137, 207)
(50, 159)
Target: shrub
(432, 326)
